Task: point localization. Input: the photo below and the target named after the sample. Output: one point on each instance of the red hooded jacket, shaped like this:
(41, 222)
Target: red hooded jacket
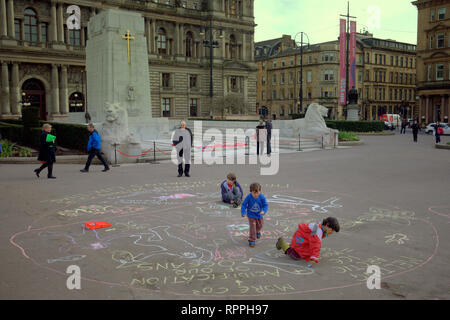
(307, 244)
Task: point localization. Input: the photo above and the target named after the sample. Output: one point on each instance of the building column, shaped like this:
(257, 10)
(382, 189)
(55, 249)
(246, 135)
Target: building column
(154, 34)
(441, 118)
(55, 90)
(181, 33)
(60, 19)
(3, 20)
(53, 23)
(10, 13)
(15, 90)
(63, 92)
(147, 33)
(83, 37)
(427, 102)
(6, 108)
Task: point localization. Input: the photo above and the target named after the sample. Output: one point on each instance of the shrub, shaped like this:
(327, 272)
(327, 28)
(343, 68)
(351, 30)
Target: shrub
(355, 126)
(30, 117)
(348, 136)
(13, 132)
(7, 148)
(71, 136)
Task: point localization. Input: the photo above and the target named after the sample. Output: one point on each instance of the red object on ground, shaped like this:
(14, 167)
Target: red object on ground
(97, 225)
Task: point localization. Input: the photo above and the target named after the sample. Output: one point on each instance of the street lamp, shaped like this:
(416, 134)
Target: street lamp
(300, 93)
(25, 100)
(211, 44)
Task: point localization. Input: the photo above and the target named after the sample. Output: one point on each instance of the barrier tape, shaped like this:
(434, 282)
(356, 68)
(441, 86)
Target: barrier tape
(128, 155)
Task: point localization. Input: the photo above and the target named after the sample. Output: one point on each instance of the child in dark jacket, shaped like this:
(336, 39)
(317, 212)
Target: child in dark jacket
(307, 240)
(255, 207)
(93, 147)
(231, 191)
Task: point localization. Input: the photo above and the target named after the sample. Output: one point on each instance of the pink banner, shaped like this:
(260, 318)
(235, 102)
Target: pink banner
(352, 62)
(342, 61)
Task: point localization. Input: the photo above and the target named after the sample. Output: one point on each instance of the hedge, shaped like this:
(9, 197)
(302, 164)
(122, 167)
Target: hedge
(71, 136)
(355, 126)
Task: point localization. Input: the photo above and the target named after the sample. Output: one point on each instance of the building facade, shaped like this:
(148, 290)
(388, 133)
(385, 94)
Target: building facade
(433, 59)
(43, 60)
(384, 77)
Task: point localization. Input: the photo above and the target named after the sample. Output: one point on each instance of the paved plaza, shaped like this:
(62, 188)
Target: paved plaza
(172, 238)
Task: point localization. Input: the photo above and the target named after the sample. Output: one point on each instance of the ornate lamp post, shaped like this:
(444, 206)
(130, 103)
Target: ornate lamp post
(300, 93)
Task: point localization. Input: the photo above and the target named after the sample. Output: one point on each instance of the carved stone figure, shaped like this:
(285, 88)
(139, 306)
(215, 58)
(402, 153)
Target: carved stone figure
(353, 96)
(115, 127)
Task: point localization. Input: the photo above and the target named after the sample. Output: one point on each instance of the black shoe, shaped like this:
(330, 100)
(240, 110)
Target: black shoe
(37, 172)
(106, 169)
(84, 170)
(186, 170)
(51, 177)
(180, 170)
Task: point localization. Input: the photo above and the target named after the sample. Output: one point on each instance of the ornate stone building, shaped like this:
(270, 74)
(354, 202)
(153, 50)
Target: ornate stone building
(43, 61)
(384, 86)
(433, 60)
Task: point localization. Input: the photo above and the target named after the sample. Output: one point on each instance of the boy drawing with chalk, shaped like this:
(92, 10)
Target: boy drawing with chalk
(255, 207)
(307, 240)
(231, 191)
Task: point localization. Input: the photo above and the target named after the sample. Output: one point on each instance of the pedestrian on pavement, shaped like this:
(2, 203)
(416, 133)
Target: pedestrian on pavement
(47, 151)
(269, 135)
(403, 129)
(307, 240)
(261, 134)
(438, 130)
(255, 207)
(415, 129)
(182, 141)
(93, 148)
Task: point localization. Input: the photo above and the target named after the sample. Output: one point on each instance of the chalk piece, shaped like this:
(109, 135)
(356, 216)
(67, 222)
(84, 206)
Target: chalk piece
(309, 265)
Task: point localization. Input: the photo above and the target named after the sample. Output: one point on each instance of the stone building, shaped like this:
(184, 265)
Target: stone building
(382, 86)
(433, 60)
(43, 60)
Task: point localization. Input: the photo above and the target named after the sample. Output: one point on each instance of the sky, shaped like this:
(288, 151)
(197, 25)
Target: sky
(319, 19)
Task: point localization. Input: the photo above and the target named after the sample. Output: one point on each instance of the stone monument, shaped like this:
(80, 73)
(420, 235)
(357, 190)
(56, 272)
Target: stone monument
(118, 81)
(353, 107)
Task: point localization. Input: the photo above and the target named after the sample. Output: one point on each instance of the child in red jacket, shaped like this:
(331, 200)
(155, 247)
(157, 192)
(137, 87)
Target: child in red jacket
(307, 240)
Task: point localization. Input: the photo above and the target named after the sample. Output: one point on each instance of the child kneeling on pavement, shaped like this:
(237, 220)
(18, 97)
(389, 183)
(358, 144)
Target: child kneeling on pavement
(307, 240)
(232, 191)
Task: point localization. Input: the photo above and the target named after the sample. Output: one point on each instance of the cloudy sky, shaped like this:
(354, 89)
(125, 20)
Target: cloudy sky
(319, 19)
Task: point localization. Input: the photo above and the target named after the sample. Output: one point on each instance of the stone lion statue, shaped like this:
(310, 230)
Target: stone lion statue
(115, 127)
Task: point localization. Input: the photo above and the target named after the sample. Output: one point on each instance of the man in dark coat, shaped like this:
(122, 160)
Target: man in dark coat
(260, 137)
(437, 134)
(403, 129)
(47, 151)
(415, 129)
(269, 135)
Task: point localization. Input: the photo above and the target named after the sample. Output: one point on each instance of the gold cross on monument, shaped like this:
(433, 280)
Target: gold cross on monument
(128, 38)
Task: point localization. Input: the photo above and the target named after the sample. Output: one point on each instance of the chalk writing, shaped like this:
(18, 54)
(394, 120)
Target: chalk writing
(316, 206)
(399, 238)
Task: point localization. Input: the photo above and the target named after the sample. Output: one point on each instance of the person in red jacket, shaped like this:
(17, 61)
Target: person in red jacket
(307, 240)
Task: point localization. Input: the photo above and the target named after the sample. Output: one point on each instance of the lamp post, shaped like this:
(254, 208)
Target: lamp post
(211, 44)
(25, 101)
(300, 93)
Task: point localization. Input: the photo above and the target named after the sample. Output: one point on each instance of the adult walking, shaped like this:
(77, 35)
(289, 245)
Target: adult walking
(269, 135)
(438, 130)
(260, 137)
(415, 129)
(47, 151)
(93, 147)
(182, 141)
(403, 129)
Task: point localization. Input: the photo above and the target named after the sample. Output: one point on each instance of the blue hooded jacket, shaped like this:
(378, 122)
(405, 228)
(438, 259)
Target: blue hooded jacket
(94, 141)
(252, 207)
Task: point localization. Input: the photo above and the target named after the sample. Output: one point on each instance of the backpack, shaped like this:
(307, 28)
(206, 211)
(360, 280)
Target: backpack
(440, 130)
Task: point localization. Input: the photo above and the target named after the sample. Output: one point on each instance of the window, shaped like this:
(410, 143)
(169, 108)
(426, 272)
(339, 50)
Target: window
(367, 58)
(432, 14)
(309, 76)
(292, 62)
(441, 13)
(31, 26)
(396, 60)
(439, 71)
(76, 102)
(17, 29)
(282, 78)
(328, 57)
(274, 94)
(380, 59)
(291, 77)
(165, 107)
(431, 42)
(193, 102)
(328, 75)
(274, 64)
(360, 76)
(440, 40)
(193, 81)
(232, 47)
(282, 111)
(281, 93)
(75, 37)
(429, 73)
(401, 61)
(263, 80)
(166, 80)
(162, 41)
(309, 59)
(367, 75)
(44, 32)
(189, 44)
(392, 60)
(263, 95)
(233, 83)
(283, 64)
(391, 77)
(274, 79)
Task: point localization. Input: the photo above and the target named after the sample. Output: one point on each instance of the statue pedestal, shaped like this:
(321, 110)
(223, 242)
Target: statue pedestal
(353, 112)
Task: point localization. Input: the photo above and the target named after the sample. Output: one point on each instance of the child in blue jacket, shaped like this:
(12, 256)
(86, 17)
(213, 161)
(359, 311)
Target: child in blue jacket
(255, 207)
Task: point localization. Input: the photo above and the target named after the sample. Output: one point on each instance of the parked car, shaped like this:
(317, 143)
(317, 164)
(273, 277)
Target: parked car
(430, 129)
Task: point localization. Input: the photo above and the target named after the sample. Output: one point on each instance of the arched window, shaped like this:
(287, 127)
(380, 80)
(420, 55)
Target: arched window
(76, 102)
(232, 46)
(189, 44)
(31, 25)
(162, 41)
